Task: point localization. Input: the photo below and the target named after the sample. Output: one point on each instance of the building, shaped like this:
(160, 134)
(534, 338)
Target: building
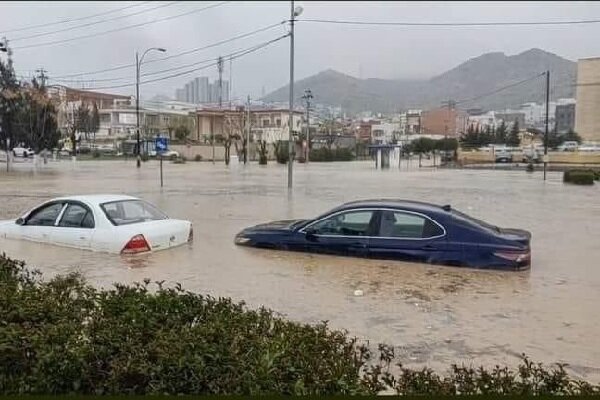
(587, 112)
(509, 118)
(69, 100)
(484, 121)
(385, 133)
(445, 121)
(268, 124)
(200, 91)
(564, 118)
(412, 126)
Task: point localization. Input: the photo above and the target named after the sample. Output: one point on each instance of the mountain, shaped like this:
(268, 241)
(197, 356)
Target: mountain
(478, 76)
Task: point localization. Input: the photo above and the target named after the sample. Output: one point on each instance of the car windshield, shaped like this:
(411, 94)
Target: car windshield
(126, 212)
(476, 221)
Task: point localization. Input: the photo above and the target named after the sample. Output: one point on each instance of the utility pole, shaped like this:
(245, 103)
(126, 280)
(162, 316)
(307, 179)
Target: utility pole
(5, 49)
(229, 86)
(138, 162)
(293, 14)
(220, 68)
(307, 97)
(246, 155)
(546, 130)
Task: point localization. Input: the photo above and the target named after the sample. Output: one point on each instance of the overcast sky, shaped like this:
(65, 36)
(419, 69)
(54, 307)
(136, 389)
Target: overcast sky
(362, 51)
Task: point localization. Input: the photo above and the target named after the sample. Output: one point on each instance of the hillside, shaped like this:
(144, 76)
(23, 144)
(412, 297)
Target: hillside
(477, 76)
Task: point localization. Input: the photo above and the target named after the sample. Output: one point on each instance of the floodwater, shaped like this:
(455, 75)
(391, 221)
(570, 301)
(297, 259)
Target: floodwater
(435, 315)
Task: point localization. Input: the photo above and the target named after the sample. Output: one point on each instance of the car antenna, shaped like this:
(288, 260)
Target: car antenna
(446, 207)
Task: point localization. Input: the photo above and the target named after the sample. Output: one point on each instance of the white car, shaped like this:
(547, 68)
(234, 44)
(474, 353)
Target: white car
(107, 223)
(23, 152)
(568, 146)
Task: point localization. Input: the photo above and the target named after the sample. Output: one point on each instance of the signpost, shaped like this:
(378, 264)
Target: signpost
(161, 145)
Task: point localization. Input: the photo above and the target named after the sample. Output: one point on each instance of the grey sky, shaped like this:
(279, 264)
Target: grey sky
(382, 52)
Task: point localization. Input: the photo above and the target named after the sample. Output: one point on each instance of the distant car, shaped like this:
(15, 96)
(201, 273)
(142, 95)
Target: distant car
(165, 154)
(108, 223)
(503, 156)
(401, 230)
(23, 152)
(568, 146)
(588, 148)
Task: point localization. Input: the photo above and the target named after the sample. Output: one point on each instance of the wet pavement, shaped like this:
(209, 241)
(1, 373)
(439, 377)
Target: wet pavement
(435, 315)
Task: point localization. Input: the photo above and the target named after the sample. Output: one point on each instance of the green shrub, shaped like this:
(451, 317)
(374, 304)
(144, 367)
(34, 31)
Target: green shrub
(144, 157)
(326, 155)
(96, 154)
(64, 336)
(179, 160)
(579, 176)
(198, 157)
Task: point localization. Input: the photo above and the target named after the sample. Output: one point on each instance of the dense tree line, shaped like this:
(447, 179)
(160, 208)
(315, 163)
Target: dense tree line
(27, 113)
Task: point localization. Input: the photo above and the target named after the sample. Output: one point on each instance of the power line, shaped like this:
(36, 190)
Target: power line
(123, 28)
(149, 73)
(432, 24)
(93, 23)
(241, 36)
(249, 51)
(27, 28)
(499, 90)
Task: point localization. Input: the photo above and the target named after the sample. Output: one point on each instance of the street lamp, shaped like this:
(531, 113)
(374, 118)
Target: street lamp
(295, 12)
(138, 64)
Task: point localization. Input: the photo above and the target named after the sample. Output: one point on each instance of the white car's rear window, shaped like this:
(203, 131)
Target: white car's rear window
(126, 212)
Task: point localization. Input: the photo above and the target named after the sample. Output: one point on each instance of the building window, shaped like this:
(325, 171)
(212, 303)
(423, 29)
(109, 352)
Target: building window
(278, 122)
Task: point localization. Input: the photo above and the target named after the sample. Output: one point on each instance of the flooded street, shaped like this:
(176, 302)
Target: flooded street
(435, 315)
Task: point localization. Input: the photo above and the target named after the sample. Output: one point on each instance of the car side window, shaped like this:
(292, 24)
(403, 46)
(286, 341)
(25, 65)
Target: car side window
(45, 216)
(76, 216)
(395, 224)
(351, 223)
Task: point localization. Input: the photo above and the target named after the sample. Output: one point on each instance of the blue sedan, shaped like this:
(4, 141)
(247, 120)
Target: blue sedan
(399, 230)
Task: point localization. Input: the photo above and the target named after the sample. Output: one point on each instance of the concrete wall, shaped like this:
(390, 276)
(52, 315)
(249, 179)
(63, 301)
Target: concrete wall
(587, 112)
(475, 157)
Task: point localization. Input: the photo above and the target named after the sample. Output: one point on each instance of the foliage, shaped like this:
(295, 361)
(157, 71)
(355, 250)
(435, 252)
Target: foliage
(182, 132)
(571, 136)
(513, 139)
(198, 157)
(446, 144)
(579, 176)
(144, 157)
(262, 152)
(501, 135)
(179, 160)
(28, 112)
(64, 336)
(327, 154)
(281, 151)
(96, 154)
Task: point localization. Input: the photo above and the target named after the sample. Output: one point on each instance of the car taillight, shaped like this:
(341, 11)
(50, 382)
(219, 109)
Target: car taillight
(516, 256)
(137, 244)
(191, 235)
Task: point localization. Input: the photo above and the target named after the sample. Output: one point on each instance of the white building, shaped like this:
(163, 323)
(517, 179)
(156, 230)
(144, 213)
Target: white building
(385, 132)
(272, 125)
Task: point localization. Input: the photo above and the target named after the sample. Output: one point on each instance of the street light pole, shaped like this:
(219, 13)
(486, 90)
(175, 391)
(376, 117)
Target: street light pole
(138, 64)
(294, 13)
(546, 130)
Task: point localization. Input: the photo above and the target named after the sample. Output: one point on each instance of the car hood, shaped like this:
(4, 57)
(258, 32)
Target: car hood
(284, 225)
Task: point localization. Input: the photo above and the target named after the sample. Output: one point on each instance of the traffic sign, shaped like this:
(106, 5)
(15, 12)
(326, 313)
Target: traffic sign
(161, 145)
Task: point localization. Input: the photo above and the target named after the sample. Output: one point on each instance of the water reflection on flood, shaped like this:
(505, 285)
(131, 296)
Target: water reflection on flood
(435, 315)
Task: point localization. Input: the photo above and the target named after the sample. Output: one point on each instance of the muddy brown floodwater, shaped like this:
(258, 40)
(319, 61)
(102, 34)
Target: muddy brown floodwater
(434, 315)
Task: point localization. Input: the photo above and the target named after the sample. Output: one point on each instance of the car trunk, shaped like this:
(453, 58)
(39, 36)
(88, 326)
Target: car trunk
(520, 236)
(166, 233)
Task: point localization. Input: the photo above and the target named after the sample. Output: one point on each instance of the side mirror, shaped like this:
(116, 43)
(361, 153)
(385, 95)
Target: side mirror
(310, 235)
(20, 221)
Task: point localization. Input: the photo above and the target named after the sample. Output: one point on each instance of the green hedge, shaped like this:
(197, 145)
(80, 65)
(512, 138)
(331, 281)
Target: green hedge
(580, 176)
(325, 155)
(64, 336)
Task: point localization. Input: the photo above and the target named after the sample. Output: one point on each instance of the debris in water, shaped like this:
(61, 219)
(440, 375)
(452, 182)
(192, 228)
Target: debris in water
(358, 292)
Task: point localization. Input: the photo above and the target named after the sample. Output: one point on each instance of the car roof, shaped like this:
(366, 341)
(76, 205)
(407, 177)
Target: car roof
(409, 205)
(97, 198)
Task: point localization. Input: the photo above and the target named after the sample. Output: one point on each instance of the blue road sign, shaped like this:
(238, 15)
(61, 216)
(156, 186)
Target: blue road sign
(161, 144)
